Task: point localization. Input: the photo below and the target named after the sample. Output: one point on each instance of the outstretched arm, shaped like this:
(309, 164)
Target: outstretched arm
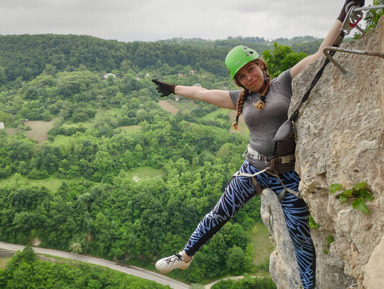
(331, 37)
(220, 98)
(329, 40)
(216, 97)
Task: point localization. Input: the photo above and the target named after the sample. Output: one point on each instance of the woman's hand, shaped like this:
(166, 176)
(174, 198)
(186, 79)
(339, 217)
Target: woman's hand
(164, 88)
(343, 13)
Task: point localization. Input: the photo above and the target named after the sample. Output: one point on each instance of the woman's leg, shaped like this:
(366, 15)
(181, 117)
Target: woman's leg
(296, 214)
(237, 193)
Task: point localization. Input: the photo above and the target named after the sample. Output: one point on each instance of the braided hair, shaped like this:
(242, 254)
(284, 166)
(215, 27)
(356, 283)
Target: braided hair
(244, 95)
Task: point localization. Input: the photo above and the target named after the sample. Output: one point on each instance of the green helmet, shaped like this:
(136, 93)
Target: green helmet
(238, 57)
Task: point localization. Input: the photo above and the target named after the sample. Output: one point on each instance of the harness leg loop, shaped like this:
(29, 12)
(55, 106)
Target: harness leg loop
(258, 188)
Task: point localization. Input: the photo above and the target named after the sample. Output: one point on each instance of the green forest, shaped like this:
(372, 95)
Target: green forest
(116, 175)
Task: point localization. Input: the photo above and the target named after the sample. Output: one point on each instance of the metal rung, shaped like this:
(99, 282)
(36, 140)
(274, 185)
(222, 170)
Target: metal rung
(351, 51)
(370, 7)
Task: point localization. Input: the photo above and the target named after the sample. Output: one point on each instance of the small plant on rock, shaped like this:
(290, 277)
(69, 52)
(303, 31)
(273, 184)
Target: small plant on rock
(359, 194)
(330, 239)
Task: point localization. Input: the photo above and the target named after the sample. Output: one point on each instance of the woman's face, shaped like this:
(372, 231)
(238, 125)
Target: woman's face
(251, 76)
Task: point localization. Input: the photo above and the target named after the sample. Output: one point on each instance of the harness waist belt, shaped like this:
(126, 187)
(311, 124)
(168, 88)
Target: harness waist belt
(258, 156)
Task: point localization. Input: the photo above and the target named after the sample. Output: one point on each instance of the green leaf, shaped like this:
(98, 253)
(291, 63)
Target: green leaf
(360, 186)
(342, 198)
(360, 205)
(347, 193)
(367, 195)
(334, 188)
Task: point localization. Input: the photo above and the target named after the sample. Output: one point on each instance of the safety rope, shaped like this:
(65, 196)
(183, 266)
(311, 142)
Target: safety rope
(350, 22)
(280, 196)
(317, 77)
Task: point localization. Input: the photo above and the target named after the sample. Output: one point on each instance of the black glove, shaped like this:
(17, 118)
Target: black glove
(163, 88)
(343, 13)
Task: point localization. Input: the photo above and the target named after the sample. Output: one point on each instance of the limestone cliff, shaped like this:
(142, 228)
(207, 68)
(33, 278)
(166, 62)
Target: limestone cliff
(340, 140)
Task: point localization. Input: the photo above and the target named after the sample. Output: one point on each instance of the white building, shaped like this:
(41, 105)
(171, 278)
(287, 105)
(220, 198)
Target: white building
(108, 75)
(2, 125)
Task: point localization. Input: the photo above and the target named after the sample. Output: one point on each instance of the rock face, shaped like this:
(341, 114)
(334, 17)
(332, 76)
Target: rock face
(283, 264)
(340, 140)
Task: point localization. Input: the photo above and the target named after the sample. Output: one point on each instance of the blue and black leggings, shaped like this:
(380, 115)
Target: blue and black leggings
(238, 192)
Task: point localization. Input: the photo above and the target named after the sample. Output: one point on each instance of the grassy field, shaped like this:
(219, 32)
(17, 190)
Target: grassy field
(61, 140)
(50, 183)
(263, 246)
(184, 105)
(10, 130)
(167, 106)
(3, 262)
(144, 173)
(130, 130)
(215, 116)
(39, 129)
(77, 125)
(187, 106)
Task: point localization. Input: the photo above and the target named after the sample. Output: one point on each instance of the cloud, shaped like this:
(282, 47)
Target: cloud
(150, 20)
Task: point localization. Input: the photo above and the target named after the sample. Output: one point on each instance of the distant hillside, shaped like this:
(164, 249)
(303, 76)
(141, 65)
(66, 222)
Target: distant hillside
(26, 56)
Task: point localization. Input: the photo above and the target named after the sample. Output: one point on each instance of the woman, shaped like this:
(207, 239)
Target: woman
(264, 104)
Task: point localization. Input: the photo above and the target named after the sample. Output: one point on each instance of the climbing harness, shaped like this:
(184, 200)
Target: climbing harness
(258, 156)
(270, 169)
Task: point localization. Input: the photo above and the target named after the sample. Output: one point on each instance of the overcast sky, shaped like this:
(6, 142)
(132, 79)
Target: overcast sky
(151, 20)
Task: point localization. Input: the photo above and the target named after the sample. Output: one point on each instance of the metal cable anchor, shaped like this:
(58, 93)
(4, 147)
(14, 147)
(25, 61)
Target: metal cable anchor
(354, 15)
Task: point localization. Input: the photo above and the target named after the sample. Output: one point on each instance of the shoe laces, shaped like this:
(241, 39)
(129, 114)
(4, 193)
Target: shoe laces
(173, 259)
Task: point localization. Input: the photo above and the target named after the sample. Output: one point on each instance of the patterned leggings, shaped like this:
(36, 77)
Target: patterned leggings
(238, 192)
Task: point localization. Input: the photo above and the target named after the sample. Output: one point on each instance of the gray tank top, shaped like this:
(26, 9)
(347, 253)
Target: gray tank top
(263, 124)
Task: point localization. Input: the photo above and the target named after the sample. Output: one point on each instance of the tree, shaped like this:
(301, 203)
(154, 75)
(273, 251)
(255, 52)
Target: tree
(3, 76)
(5, 117)
(28, 254)
(187, 153)
(235, 261)
(373, 15)
(238, 237)
(281, 58)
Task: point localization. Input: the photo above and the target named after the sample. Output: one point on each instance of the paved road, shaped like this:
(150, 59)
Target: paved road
(149, 275)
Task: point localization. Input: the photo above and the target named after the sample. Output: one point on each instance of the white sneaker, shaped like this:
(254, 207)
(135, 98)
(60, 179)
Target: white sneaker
(176, 261)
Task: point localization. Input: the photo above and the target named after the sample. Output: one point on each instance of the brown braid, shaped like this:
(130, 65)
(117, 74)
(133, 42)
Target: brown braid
(264, 90)
(240, 104)
(243, 96)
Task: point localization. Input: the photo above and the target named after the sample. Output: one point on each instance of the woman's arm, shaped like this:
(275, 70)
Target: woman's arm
(220, 98)
(328, 41)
